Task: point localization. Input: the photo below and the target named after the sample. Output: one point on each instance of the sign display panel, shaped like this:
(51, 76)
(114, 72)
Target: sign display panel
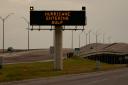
(57, 18)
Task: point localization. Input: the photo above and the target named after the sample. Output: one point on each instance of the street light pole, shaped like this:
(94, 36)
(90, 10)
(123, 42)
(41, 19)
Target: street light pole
(97, 61)
(28, 31)
(28, 36)
(3, 35)
(80, 39)
(97, 35)
(86, 38)
(72, 40)
(89, 36)
(3, 20)
(109, 39)
(103, 38)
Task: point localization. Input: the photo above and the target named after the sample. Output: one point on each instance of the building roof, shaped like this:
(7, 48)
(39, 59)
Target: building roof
(99, 48)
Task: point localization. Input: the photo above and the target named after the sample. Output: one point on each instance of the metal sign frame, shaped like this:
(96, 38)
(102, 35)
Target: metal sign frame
(37, 20)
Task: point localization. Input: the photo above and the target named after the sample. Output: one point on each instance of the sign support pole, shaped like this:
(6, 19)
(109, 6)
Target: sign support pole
(58, 55)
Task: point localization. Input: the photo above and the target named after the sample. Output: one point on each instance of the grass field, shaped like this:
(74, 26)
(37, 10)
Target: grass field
(45, 69)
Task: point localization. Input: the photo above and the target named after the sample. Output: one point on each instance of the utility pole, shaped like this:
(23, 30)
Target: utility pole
(3, 20)
(28, 31)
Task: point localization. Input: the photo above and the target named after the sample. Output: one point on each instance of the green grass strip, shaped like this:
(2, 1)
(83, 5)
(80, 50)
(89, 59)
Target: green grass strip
(45, 69)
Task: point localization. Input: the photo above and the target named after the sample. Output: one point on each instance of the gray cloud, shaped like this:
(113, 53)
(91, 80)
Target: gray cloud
(109, 16)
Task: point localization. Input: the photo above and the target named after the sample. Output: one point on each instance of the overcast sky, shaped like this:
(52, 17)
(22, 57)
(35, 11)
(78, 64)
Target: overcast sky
(105, 16)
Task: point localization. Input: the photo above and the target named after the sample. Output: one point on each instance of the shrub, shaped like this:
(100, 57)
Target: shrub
(10, 49)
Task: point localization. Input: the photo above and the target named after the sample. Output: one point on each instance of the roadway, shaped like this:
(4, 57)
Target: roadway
(115, 77)
(41, 55)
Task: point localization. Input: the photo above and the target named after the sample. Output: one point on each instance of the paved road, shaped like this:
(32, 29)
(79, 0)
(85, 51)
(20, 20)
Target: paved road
(28, 56)
(117, 77)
